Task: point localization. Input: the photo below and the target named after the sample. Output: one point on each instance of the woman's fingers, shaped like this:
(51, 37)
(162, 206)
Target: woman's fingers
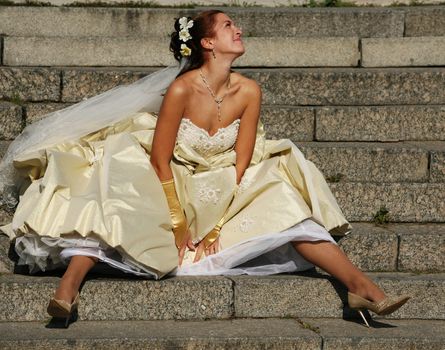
(199, 251)
(181, 254)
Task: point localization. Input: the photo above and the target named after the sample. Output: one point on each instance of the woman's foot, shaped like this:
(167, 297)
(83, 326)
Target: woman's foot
(367, 290)
(67, 290)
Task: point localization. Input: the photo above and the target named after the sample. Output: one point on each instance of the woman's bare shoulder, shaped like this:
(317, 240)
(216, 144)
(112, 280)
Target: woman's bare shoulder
(247, 85)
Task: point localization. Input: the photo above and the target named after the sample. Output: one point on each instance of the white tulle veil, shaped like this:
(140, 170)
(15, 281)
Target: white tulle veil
(82, 118)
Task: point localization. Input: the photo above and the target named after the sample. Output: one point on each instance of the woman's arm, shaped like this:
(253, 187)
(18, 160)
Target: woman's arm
(167, 126)
(245, 142)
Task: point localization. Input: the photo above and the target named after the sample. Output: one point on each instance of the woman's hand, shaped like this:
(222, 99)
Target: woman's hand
(187, 242)
(212, 249)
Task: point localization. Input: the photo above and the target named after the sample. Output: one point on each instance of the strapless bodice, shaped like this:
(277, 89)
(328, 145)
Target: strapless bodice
(202, 142)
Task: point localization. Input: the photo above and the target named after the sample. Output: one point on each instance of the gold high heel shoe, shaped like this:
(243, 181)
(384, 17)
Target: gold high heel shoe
(63, 309)
(383, 307)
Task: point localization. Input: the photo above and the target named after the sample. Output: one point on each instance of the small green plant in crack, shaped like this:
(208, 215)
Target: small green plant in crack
(381, 216)
(335, 178)
(16, 99)
(307, 325)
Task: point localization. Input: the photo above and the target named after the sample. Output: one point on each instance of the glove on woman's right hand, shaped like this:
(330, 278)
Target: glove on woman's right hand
(176, 213)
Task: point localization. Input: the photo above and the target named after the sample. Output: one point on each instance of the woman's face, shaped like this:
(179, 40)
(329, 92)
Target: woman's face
(227, 37)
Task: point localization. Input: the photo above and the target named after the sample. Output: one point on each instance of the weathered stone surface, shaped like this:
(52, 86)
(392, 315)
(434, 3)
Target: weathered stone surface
(217, 297)
(396, 52)
(371, 248)
(348, 86)
(300, 52)
(406, 202)
(87, 21)
(425, 21)
(322, 296)
(10, 120)
(79, 84)
(29, 84)
(368, 162)
(384, 334)
(421, 247)
(436, 150)
(296, 123)
(296, 86)
(36, 111)
(210, 334)
(6, 265)
(380, 123)
(276, 22)
(122, 299)
(438, 166)
(152, 51)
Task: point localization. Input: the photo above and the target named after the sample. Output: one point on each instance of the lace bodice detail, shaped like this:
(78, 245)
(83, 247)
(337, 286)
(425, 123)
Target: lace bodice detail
(200, 140)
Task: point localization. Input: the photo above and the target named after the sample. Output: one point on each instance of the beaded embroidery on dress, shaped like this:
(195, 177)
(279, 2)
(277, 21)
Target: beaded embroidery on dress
(204, 143)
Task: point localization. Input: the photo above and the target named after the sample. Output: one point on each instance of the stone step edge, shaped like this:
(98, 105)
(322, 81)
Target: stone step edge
(218, 297)
(314, 333)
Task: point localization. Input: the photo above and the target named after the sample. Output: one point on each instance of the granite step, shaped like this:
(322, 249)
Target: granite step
(284, 86)
(364, 123)
(153, 51)
(255, 21)
(319, 333)
(308, 294)
(260, 51)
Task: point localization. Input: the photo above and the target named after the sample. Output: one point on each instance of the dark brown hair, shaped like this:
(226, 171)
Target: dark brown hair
(202, 28)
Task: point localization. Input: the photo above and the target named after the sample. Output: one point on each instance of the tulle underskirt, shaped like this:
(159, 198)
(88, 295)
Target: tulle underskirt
(265, 254)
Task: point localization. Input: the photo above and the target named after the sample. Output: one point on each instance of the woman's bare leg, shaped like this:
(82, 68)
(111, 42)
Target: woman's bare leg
(334, 261)
(73, 277)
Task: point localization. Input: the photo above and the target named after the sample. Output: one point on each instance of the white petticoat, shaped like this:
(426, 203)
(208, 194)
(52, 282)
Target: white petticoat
(265, 254)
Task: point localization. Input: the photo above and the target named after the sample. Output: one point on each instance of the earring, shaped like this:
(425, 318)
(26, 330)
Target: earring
(213, 53)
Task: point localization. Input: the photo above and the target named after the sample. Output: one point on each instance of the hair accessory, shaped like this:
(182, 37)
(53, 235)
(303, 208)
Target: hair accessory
(184, 35)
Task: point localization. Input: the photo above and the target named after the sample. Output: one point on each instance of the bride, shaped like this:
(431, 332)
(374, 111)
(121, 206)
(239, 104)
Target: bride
(194, 189)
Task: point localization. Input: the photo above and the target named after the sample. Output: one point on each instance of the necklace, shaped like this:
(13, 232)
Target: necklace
(217, 100)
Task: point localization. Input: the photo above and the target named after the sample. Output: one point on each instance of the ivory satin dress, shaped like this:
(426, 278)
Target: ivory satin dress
(100, 196)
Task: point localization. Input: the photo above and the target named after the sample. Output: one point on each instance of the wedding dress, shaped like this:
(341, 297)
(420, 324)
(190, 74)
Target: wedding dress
(98, 195)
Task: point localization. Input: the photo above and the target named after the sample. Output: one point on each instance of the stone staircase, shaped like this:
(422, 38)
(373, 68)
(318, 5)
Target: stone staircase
(361, 91)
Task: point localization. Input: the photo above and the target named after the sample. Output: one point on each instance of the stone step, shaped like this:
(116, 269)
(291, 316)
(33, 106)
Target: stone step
(273, 22)
(406, 202)
(260, 51)
(396, 247)
(286, 86)
(364, 123)
(397, 52)
(307, 333)
(153, 51)
(309, 294)
(255, 21)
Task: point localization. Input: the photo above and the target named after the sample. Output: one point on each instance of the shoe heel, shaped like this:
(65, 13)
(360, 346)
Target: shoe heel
(364, 318)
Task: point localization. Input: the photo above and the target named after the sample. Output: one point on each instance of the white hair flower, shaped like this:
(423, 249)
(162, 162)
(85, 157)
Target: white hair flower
(184, 24)
(184, 35)
(185, 50)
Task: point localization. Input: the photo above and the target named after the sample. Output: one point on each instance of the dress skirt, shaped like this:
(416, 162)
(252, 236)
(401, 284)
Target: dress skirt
(100, 196)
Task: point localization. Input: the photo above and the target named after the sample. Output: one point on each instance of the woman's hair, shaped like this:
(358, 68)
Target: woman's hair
(202, 28)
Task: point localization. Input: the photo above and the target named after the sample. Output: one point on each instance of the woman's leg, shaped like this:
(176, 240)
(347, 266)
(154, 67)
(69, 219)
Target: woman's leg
(331, 259)
(73, 277)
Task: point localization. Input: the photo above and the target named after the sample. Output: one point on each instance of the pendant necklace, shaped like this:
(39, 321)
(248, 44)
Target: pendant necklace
(217, 100)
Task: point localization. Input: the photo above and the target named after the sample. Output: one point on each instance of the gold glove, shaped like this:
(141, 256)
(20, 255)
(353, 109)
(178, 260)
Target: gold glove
(214, 234)
(176, 213)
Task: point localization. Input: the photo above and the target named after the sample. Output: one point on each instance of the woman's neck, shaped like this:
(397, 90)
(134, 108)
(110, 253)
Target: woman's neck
(217, 74)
